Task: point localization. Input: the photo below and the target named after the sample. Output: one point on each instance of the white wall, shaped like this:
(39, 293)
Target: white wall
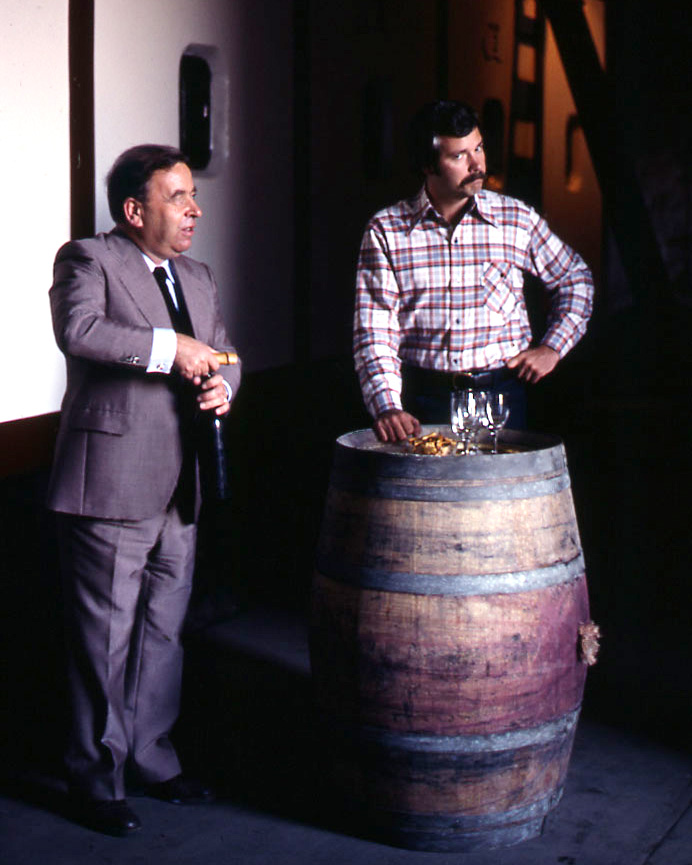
(35, 217)
(245, 233)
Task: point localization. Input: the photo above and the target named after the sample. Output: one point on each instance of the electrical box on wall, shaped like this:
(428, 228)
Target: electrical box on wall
(195, 110)
(202, 108)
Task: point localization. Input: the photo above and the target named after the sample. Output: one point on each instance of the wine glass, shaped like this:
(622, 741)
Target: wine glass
(497, 409)
(468, 416)
(459, 406)
(478, 417)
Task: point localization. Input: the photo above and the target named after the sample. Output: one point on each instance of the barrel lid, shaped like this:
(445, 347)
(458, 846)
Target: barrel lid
(526, 453)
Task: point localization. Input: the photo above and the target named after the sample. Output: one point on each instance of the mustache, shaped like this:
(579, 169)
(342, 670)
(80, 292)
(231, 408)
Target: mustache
(478, 175)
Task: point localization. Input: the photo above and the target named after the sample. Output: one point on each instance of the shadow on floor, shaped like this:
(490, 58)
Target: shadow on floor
(247, 723)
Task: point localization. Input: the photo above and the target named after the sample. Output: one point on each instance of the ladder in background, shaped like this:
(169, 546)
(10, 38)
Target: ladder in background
(524, 162)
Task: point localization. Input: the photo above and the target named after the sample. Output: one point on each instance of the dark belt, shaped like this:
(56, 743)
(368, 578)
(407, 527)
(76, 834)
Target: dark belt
(437, 380)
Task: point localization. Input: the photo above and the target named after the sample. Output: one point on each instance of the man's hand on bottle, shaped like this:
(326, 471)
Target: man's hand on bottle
(194, 360)
(395, 425)
(213, 395)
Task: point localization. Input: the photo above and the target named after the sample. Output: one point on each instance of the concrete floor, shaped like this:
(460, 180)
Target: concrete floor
(628, 801)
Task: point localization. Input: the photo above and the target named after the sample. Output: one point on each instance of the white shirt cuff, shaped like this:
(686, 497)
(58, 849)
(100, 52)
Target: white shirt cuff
(163, 348)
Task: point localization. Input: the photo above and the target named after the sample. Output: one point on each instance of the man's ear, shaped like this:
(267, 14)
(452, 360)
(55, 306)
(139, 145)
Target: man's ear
(132, 210)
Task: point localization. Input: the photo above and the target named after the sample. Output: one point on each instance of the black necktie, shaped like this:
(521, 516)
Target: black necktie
(184, 495)
(180, 317)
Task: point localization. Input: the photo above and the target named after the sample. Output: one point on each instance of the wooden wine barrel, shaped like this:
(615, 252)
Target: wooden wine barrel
(446, 606)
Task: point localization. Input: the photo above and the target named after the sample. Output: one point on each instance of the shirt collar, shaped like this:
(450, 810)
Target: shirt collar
(422, 207)
(483, 207)
(166, 265)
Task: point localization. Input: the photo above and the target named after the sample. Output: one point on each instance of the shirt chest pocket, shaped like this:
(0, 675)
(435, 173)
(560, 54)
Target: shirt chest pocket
(501, 285)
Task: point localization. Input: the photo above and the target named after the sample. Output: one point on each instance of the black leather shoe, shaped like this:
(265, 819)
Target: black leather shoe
(181, 791)
(112, 816)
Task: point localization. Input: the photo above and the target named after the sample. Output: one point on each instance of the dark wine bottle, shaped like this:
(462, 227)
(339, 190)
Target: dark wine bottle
(211, 457)
(211, 446)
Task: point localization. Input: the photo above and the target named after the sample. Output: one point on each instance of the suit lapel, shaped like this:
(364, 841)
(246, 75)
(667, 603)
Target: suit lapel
(137, 280)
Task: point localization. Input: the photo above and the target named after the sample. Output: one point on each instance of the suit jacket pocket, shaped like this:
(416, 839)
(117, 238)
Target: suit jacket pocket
(101, 401)
(100, 419)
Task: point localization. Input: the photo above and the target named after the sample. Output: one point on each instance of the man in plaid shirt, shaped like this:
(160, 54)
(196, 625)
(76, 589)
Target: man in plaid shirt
(440, 300)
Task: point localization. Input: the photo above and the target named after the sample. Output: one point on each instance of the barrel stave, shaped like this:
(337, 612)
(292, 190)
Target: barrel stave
(445, 664)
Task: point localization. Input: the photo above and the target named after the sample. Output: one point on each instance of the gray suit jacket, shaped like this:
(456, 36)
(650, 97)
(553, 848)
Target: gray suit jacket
(119, 447)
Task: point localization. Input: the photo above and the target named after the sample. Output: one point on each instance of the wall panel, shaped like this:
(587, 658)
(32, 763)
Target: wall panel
(35, 221)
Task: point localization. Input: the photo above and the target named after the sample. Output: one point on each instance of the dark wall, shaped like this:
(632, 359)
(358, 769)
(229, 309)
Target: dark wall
(637, 488)
(371, 65)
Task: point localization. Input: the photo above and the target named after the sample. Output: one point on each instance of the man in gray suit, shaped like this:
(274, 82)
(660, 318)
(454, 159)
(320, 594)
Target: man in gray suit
(139, 333)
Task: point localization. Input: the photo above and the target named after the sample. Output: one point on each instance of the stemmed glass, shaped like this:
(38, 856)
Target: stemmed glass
(497, 408)
(458, 400)
(468, 415)
(478, 417)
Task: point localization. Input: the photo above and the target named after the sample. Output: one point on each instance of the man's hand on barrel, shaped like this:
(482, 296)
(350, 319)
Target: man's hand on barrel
(396, 425)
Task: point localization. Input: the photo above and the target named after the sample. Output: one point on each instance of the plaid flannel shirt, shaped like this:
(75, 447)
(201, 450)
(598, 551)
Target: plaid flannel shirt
(451, 297)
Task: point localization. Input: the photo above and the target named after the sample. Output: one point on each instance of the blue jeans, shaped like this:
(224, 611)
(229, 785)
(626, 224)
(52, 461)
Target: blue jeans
(431, 404)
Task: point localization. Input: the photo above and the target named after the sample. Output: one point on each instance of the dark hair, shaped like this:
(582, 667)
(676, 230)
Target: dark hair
(133, 169)
(456, 119)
